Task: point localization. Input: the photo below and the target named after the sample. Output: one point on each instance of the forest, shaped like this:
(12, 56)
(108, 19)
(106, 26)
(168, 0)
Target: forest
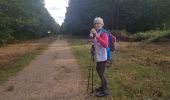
(132, 16)
(136, 19)
(25, 19)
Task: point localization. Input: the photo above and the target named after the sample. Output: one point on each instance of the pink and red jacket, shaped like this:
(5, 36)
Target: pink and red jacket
(100, 44)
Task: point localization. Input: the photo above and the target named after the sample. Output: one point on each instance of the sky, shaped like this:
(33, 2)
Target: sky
(57, 9)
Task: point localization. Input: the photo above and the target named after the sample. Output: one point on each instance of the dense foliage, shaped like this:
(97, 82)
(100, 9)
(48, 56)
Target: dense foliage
(131, 15)
(24, 19)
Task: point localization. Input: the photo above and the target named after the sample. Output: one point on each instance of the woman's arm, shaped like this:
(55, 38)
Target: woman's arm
(103, 40)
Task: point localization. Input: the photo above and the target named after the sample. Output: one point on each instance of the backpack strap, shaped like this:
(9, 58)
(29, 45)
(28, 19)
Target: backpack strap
(101, 31)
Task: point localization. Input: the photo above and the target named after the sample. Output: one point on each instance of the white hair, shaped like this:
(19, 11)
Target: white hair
(98, 20)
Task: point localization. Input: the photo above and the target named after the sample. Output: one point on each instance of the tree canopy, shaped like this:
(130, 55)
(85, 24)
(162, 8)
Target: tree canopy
(130, 15)
(25, 19)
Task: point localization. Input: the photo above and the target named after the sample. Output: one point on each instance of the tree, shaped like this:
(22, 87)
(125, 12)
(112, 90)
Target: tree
(26, 19)
(131, 15)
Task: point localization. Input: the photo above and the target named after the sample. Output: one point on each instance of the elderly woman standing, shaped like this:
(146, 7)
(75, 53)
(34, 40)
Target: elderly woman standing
(100, 40)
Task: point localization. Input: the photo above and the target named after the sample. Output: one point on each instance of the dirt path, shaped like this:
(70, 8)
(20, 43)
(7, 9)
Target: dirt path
(54, 75)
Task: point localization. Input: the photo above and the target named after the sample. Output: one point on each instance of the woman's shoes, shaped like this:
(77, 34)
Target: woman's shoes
(102, 93)
(98, 89)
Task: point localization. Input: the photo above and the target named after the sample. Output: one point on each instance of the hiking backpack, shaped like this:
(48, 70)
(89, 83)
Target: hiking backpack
(112, 42)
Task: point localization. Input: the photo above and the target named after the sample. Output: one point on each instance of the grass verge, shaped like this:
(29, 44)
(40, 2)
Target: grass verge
(19, 64)
(139, 71)
(18, 60)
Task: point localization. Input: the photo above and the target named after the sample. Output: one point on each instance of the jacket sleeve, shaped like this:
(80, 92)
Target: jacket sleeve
(103, 40)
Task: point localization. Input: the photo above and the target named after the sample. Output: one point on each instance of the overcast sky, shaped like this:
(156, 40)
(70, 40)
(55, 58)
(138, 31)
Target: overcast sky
(57, 9)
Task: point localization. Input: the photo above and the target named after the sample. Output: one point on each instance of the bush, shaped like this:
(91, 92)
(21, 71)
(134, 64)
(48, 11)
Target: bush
(152, 36)
(164, 35)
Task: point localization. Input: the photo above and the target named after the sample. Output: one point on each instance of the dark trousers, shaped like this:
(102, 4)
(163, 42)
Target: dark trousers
(101, 72)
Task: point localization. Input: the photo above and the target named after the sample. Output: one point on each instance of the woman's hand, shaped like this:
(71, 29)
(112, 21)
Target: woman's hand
(94, 32)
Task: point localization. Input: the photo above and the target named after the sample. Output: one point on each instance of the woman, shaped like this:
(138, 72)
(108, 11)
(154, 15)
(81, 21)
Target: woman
(100, 40)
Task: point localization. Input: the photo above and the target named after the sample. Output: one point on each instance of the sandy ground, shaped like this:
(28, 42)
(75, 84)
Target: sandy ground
(53, 75)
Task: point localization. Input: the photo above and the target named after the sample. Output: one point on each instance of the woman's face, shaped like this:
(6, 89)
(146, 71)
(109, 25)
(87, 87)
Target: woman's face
(97, 26)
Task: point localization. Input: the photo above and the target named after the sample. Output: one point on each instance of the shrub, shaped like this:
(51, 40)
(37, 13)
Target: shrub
(164, 35)
(152, 36)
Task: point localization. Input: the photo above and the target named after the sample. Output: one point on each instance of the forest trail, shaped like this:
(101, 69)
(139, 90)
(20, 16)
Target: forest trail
(53, 75)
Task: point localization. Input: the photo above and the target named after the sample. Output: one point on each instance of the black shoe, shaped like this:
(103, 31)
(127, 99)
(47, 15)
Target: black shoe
(98, 89)
(102, 93)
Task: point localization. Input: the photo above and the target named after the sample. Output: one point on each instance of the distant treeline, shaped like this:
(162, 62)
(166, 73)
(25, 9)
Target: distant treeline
(130, 15)
(25, 19)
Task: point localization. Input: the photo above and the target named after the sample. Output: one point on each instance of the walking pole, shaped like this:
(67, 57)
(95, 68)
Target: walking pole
(88, 79)
(89, 75)
(92, 73)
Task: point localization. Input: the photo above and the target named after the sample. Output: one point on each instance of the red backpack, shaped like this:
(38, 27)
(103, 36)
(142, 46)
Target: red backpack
(112, 42)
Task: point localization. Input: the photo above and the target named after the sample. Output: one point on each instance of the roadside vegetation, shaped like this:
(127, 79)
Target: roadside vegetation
(153, 36)
(139, 71)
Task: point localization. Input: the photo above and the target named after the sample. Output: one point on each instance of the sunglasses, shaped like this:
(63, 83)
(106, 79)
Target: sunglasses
(96, 23)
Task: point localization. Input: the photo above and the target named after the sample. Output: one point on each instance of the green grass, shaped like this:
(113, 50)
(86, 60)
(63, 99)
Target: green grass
(136, 73)
(18, 65)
